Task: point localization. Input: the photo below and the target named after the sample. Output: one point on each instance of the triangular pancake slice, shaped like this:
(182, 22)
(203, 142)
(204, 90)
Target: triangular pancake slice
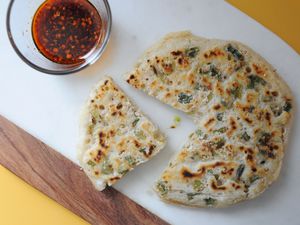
(115, 135)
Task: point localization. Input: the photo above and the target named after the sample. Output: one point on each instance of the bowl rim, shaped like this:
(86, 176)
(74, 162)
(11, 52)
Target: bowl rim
(67, 71)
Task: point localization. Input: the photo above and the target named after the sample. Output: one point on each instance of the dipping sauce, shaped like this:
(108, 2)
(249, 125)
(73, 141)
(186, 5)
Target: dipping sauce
(64, 31)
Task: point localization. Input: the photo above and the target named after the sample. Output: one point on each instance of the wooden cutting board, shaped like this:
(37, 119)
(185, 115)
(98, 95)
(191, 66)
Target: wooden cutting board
(62, 180)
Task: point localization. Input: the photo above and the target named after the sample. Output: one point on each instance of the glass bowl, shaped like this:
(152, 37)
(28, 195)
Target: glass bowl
(19, 28)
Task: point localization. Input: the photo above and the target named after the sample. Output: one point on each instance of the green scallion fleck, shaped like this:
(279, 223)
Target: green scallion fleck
(131, 161)
(177, 119)
(287, 106)
(210, 201)
(140, 134)
(239, 171)
(197, 185)
(254, 178)
(221, 130)
(106, 168)
(91, 163)
(134, 123)
(219, 143)
(220, 116)
(236, 92)
(236, 53)
(184, 98)
(209, 97)
(245, 136)
(254, 81)
(162, 188)
(192, 52)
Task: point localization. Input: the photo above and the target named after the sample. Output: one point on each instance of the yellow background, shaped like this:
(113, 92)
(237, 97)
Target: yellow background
(20, 204)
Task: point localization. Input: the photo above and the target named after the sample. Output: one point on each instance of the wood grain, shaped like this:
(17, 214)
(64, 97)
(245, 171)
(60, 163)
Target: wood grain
(62, 180)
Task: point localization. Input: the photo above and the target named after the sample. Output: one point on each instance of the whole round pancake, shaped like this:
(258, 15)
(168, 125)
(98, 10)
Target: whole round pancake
(242, 109)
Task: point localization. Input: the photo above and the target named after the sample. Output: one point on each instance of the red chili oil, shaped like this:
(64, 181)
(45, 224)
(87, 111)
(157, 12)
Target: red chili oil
(65, 31)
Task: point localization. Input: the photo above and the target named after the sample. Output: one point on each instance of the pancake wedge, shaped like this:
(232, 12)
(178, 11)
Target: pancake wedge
(115, 135)
(242, 108)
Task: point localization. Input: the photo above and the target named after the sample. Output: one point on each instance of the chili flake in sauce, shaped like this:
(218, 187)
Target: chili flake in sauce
(65, 31)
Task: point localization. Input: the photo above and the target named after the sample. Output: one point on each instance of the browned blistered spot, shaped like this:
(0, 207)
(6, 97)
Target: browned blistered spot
(258, 69)
(176, 53)
(167, 95)
(188, 174)
(180, 61)
(217, 107)
(114, 113)
(215, 187)
(250, 97)
(98, 156)
(237, 187)
(259, 115)
(248, 69)
(256, 130)
(168, 67)
(122, 151)
(228, 91)
(218, 164)
(268, 118)
(102, 139)
(137, 144)
(250, 151)
(219, 88)
(154, 69)
(213, 53)
(227, 171)
(275, 93)
(112, 133)
(248, 120)
(249, 158)
(206, 83)
(101, 134)
(151, 148)
(233, 126)
(253, 169)
(209, 122)
(96, 173)
(183, 62)
(119, 106)
(114, 179)
(191, 78)
(105, 82)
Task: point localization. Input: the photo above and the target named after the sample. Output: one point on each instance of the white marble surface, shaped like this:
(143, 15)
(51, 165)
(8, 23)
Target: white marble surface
(48, 106)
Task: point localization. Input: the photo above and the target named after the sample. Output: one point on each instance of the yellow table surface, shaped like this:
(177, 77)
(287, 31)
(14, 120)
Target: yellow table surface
(21, 204)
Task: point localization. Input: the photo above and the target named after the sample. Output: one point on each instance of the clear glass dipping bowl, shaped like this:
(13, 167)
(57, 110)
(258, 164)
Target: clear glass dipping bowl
(19, 26)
